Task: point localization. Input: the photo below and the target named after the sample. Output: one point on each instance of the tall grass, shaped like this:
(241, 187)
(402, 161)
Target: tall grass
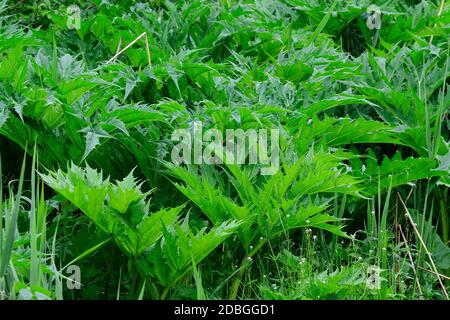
(40, 279)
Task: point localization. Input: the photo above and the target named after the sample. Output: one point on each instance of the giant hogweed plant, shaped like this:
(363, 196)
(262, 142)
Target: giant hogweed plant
(158, 244)
(296, 197)
(415, 100)
(248, 65)
(71, 114)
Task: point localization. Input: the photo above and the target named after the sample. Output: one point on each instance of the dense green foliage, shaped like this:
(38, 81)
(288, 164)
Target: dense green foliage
(364, 149)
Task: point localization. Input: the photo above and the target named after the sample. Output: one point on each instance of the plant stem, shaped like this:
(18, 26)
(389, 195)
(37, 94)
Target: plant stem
(244, 264)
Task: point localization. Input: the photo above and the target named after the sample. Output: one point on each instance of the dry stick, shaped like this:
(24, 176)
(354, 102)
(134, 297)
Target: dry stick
(397, 240)
(147, 47)
(411, 221)
(441, 8)
(410, 260)
(128, 46)
(409, 194)
(118, 47)
(431, 271)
